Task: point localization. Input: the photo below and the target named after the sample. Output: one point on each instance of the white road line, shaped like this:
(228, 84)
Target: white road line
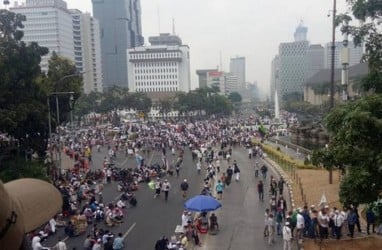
(129, 230)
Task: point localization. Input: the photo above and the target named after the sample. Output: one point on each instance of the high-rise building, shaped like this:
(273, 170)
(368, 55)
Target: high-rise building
(355, 54)
(121, 29)
(49, 23)
(237, 67)
(315, 59)
(160, 68)
(231, 83)
(87, 50)
(293, 63)
(203, 76)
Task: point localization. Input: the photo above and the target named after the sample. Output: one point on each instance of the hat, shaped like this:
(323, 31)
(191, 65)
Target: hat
(25, 204)
(185, 180)
(287, 223)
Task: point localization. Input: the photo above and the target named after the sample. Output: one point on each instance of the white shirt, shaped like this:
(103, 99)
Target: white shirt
(287, 233)
(300, 221)
(61, 246)
(338, 219)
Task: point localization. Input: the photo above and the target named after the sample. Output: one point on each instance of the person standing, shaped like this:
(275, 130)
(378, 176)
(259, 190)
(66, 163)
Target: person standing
(166, 188)
(61, 245)
(287, 236)
(198, 166)
(219, 189)
(184, 188)
(158, 186)
(300, 224)
(260, 190)
(370, 219)
(229, 175)
(118, 242)
(271, 229)
(323, 223)
(266, 216)
(352, 221)
(264, 171)
(236, 171)
(338, 220)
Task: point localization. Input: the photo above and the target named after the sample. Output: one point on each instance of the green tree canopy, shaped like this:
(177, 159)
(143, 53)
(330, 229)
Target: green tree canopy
(369, 12)
(235, 97)
(356, 143)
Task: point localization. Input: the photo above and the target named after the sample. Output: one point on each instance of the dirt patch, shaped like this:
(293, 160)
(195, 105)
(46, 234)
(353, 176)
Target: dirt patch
(368, 243)
(309, 186)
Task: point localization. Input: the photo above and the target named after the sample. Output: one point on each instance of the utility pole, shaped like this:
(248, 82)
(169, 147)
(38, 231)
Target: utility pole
(333, 54)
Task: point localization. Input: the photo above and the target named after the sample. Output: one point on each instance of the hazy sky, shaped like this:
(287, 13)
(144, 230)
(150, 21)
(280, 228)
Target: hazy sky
(250, 28)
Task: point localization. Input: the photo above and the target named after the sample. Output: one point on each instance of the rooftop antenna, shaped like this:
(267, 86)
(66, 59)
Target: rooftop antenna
(173, 26)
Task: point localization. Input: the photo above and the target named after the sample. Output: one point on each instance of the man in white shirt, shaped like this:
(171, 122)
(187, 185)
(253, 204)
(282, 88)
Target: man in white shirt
(300, 224)
(338, 219)
(287, 236)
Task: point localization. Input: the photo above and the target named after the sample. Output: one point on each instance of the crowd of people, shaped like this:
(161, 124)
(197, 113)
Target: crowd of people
(211, 145)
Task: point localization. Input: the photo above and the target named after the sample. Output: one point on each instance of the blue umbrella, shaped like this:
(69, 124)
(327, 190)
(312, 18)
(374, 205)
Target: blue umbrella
(202, 203)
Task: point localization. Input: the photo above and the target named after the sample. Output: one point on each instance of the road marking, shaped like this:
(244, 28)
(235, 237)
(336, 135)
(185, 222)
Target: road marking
(129, 230)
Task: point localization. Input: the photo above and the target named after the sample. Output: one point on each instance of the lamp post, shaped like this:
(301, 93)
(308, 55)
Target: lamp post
(345, 54)
(333, 47)
(57, 94)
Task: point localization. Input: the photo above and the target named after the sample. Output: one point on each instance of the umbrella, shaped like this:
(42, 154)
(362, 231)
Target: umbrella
(202, 203)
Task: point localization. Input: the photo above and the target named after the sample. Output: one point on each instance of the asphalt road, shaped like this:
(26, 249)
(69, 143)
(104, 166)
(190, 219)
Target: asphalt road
(241, 217)
(152, 218)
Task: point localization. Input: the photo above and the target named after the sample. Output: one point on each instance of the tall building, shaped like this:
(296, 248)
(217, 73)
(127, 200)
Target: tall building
(49, 23)
(160, 68)
(355, 54)
(315, 59)
(121, 29)
(87, 50)
(237, 67)
(231, 83)
(293, 63)
(203, 75)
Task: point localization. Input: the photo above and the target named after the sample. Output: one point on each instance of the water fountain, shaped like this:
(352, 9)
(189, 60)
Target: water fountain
(277, 108)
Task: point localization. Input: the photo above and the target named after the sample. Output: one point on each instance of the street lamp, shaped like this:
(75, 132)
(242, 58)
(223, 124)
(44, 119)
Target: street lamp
(333, 54)
(71, 103)
(345, 54)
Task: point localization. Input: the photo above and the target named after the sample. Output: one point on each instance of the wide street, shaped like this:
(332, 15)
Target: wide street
(241, 218)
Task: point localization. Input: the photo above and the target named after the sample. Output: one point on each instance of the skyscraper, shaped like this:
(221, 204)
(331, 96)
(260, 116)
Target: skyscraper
(237, 68)
(293, 63)
(120, 27)
(49, 23)
(355, 54)
(87, 50)
(315, 59)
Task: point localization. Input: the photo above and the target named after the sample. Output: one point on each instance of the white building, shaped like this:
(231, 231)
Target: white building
(237, 67)
(231, 83)
(49, 23)
(87, 50)
(161, 67)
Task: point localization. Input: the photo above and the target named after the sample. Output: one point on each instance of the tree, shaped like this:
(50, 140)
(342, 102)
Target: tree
(23, 109)
(165, 106)
(369, 12)
(235, 97)
(62, 76)
(356, 143)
